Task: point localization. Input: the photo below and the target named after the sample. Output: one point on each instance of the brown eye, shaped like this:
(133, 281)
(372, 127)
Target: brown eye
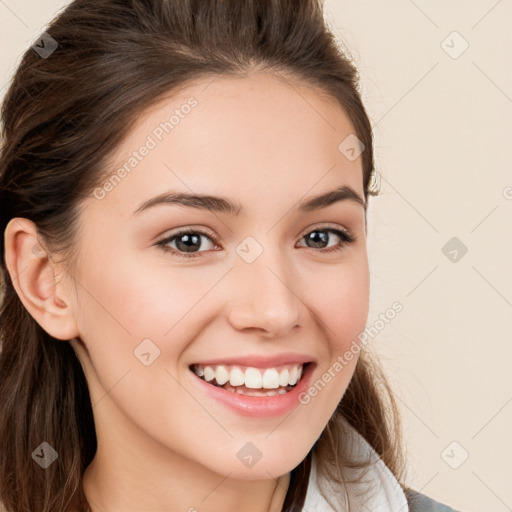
(186, 243)
(319, 239)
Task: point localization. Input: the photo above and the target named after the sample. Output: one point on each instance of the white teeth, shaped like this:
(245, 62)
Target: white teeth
(209, 374)
(252, 378)
(284, 377)
(221, 375)
(236, 377)
(293, 376)
(270, 379)
(242, 390)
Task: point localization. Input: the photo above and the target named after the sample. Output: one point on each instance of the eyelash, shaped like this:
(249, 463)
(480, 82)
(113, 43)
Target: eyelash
(344, 234)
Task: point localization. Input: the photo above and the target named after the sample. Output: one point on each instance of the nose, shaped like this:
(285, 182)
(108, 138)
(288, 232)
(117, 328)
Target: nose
(264, 296)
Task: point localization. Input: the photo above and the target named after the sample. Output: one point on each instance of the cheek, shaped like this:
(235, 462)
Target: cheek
(341, 299)
(130, 316)
(133, 313)
(141, 300)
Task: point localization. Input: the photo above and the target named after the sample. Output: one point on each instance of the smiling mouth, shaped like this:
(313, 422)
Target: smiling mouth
(252, 381)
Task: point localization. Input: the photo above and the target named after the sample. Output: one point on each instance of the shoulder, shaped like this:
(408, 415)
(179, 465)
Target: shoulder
(420, 503)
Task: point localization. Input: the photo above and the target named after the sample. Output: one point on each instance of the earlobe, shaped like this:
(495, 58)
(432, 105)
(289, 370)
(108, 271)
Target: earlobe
(33, 277)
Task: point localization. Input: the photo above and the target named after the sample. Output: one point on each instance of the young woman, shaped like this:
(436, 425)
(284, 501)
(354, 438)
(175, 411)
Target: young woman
(184, 187)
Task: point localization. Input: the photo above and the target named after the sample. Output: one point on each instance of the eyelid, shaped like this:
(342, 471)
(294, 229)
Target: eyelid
(327, 226)
(189, 229)
(215, 238)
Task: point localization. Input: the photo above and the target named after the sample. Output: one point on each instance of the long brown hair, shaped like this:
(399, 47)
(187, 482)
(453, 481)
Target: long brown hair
(62, 116)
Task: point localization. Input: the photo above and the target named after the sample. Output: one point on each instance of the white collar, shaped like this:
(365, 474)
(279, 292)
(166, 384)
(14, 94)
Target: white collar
(379, 490)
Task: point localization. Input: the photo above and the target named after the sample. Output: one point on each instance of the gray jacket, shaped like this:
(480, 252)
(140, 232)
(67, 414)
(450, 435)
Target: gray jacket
(420, 503)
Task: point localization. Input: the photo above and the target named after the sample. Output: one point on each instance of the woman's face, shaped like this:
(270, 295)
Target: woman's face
(261, 281)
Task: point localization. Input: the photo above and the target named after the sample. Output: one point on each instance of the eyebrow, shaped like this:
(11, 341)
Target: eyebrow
(223, 205)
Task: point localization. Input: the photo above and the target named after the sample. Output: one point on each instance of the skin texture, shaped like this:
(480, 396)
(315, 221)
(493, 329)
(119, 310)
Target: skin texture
(266, 143)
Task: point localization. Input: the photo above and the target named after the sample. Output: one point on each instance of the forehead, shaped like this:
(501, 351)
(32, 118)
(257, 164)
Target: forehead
(261, 136)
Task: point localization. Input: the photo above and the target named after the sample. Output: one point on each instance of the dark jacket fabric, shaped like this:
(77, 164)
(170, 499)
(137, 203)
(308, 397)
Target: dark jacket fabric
(420, 503)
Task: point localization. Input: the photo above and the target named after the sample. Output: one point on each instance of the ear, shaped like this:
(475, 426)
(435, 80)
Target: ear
(33, 276)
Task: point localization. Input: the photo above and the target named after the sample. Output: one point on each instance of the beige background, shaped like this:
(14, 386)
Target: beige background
(442, 126)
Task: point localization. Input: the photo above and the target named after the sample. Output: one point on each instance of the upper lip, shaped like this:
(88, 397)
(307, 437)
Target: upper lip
(259, 361)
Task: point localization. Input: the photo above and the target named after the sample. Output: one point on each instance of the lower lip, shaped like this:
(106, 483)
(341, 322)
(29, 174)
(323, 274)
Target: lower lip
(258, 406)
